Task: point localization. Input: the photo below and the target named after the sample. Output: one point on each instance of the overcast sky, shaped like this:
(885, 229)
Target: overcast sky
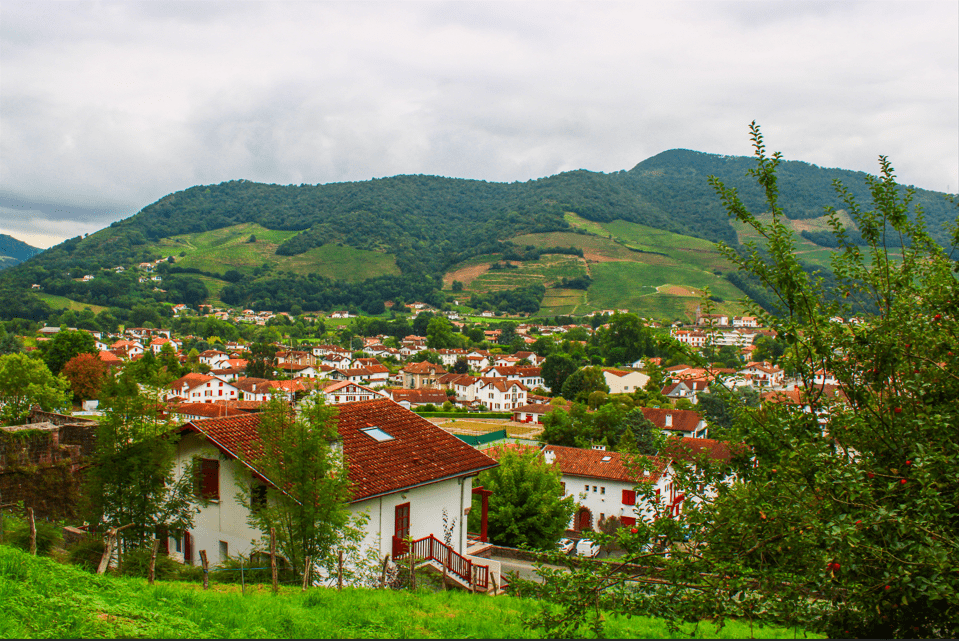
(106, 107)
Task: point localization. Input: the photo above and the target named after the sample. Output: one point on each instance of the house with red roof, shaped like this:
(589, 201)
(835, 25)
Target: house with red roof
(604, 484)
(347, 392)
(621, 381)
(422, 374)
(409, 477)
(202, 388)
(677, 422)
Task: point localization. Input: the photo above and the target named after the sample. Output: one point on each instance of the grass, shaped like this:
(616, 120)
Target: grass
(549, 269)
(40, 598)
(62, 302)
(220, 250)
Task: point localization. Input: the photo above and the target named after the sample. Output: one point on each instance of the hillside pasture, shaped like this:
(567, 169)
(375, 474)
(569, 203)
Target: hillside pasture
(548, 270)
(221, 250)
(62, 302)
(562, 302)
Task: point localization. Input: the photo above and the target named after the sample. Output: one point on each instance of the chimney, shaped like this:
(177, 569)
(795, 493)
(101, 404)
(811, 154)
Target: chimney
(669, 420)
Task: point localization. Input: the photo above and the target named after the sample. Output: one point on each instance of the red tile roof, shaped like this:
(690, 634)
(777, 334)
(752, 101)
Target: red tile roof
(418, 396)
(692, 449)
(424, 367)
(418, 454)
(682, 421)
(574, 461)
(206, 410)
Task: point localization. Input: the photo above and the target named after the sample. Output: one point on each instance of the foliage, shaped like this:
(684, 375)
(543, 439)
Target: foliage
(527, 507)
(556, 369)
(86, 374)
(307, 498)
(49, 534)
(133, 477)
(841, 514)
(25, 381)
(583, 382)
(65, 345)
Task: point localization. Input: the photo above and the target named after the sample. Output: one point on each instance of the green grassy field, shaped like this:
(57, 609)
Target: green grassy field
(228, 248)
(549, 269)
(40, 598)
(62, 302)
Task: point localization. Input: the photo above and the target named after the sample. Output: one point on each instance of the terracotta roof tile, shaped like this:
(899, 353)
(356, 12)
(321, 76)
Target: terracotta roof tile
(574, 461)
(682, 420)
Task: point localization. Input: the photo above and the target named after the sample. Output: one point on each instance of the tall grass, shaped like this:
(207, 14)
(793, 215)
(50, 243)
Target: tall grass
(40, 598)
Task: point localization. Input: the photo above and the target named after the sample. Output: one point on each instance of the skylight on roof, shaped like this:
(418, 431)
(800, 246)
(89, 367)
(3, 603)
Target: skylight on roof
(377, 433)
(606, 459)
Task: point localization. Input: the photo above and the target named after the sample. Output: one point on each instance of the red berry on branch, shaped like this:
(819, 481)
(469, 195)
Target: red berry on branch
(898, 410)
(937, 317)
(902, 481)
(908, 462)
(859, 521)
(634, 530)
(870, 474)
(888, 588)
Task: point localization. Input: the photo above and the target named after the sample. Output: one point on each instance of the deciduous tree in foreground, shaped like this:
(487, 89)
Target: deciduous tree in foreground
(841, 516)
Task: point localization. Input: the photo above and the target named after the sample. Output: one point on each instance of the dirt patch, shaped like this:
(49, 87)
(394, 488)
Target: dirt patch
(466, 275)
(676, 290)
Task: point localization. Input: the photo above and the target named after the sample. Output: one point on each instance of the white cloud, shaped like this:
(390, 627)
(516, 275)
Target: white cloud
(111, 105)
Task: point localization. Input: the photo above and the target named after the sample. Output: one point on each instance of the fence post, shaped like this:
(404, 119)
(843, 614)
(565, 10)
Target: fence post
(339, 571)
(386, 560)
(276, 587)
(107, 551)
(306, 573)
(242, 578)
(33, 532)
(412, 567)
(492, 578)
(469, 575)
(153, 561)
(206, 570)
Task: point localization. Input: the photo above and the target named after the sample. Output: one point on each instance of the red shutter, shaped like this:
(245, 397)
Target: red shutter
(627, 520)
(629, 497)
(563, 483)
(209, 479)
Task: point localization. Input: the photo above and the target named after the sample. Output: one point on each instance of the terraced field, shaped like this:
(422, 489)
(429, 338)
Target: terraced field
(221, 250)
(549, 269)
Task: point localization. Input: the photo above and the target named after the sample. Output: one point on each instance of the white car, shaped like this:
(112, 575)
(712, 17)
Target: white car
(585, 547)
(566, 546)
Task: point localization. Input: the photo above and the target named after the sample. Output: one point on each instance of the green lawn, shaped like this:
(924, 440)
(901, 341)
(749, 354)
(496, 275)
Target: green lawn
(40, 598)
(62, 302)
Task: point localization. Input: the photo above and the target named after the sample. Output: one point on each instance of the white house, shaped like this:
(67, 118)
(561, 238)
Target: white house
(202, 388)
(531, 377)
(347, 392)
(604, 484)
(624, 381)
(677, 422)
(499, 394)
(409, 477)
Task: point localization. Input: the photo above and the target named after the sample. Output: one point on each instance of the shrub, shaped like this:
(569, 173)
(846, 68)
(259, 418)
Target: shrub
(48, 535)
(136, 562)
(87, 552)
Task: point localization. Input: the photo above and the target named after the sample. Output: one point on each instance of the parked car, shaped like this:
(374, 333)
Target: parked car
(566, 545)
(585, 547)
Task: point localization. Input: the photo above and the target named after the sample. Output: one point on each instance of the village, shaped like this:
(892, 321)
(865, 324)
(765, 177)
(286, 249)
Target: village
(415, 474)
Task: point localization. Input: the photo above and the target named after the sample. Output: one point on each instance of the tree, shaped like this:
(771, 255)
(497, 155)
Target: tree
(64, 346)
(439, 334)
(640, 435)
(583, 382)
(261, 360)
(461, 366)
(307, 502)
(86, 374)
(556, 369)
(526, 507)
(133, 477)
(26, 381)
(844, 512)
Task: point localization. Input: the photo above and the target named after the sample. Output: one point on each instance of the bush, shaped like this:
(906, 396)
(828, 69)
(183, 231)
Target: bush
(229, 570)
(87, 552)
(48, 535)
(136, 562)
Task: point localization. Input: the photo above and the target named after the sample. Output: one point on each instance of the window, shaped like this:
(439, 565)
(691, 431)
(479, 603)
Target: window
(594, 488)
(224, 551)
(210, 479)
(377, 434)
(629, 497)
(178, 543)
(587, 488)
(602, 490)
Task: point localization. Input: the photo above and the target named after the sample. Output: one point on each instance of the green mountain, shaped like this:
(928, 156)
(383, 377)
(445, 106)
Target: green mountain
(13, 251)
(361, 243)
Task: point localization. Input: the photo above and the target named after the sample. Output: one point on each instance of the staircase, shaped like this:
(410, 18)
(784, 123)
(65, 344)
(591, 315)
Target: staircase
(461, 569)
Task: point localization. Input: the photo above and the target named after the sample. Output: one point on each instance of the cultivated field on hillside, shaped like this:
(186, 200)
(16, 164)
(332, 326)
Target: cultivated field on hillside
(220, 250)
(62, 302)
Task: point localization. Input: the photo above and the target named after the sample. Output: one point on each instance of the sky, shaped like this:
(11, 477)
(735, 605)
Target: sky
(106, 107)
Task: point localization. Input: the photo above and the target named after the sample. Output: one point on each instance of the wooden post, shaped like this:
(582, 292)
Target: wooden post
(492, 577)
(107, 551)
(33, 532)
(206, 570)
(242, 578)
(339, 571)
(386, 560)
(412, 568)
(153, 561)
(276, 587)
(306, 573)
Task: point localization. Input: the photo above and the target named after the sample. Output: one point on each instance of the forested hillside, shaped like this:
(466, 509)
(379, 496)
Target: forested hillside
(418, 226)
(13, 251)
